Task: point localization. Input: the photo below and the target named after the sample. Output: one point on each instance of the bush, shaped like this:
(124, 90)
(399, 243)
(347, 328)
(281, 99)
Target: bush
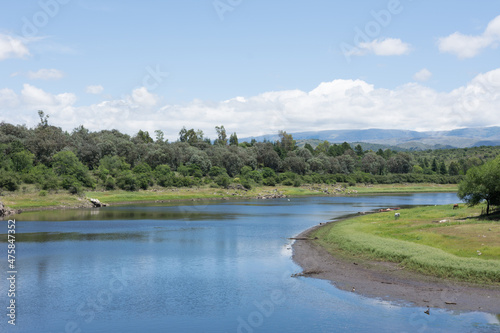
(183, 170)
(255, 175)
(287, 176)
(268, 173)
(163, 175)
(216, 171)
(110, 183)
(182, 181)
(222, 180)
(9, 180)
(42, 193)
(247, 183)
(271, 181)
(127, 181)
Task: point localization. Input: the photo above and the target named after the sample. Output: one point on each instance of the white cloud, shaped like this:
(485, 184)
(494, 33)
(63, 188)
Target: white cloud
(46, 74)
(141, 96)
(339, 104)
(96, 90)
(382, 47)
(11, 47)
(422, 75)
(466, 46)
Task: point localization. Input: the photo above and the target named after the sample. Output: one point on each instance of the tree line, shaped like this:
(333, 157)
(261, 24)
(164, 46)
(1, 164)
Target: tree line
(53, 159)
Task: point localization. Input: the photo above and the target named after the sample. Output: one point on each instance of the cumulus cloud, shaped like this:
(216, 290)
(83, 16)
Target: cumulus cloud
(468, 46)
(141, 96)
(422, 75)
(12, 47)
(95, 90)
(339, 104)
(46, 74)
(383, 47)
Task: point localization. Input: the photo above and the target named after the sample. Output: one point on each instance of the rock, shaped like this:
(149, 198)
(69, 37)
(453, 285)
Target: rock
(96, 203)
(5, 211)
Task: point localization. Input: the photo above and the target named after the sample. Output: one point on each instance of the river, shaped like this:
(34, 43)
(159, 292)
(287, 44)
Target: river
(220, 266)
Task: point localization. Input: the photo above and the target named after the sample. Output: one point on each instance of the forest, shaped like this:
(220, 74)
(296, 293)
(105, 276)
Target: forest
(53, 159)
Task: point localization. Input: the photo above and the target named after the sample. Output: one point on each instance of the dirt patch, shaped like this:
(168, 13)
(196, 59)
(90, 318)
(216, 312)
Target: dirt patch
(389, 281)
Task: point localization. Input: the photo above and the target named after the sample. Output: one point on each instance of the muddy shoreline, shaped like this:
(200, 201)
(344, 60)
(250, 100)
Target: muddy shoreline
(390, 282)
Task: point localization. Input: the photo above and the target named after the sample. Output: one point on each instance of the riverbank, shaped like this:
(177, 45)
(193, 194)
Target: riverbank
(31, 199)
(393, 280)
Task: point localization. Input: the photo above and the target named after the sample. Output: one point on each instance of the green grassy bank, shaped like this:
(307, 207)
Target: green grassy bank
(30, 198)
(436, 240)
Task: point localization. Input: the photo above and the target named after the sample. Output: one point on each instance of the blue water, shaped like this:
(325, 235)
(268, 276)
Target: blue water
(209, 267)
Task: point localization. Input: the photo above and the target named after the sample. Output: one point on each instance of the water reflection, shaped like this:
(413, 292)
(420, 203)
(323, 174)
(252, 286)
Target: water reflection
(208, 268)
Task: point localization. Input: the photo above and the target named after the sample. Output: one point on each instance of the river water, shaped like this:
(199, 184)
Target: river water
(206, 267)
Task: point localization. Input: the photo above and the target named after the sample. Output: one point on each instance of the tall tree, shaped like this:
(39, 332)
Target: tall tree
(482, 183)
(287, 142)
(233, 139)
(221, 136)
(190, 136)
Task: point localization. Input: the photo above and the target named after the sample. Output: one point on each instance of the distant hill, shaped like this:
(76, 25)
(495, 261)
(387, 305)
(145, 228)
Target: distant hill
(402, 139)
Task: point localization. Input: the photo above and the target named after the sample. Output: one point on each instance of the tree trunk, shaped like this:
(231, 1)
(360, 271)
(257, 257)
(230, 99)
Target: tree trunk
(487, 207)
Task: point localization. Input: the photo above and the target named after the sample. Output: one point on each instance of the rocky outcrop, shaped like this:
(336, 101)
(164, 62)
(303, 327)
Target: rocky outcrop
(5, 211)
(96, 203)
(273, 195)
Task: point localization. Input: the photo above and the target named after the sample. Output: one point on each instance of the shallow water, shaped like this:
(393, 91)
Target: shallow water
(207, 267)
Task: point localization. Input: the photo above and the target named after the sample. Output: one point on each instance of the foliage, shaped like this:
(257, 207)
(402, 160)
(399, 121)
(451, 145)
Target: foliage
(73, 172)
(9, 180)
(482, 183)
(53, 159)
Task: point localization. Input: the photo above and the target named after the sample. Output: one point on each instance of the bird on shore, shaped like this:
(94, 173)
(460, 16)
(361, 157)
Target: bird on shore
(428, 311)
(353, 289)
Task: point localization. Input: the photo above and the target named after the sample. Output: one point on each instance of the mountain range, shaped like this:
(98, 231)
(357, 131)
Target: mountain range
(399, 139)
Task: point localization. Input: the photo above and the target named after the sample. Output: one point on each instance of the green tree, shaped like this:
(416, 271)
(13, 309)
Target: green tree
(434, 166)
(22, 161)
(454, 169)
(143, 174)
(143, 137)
(72, 171)
(163, 175)
(160, 136)
(309, 147)
(482, 183)
(233, 139)
(358, 150)
(400, 163)
(190, 136)
(442, 168)
(221, 136)
(286, 141)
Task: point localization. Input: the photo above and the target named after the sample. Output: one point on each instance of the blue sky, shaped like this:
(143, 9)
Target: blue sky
(254, 66)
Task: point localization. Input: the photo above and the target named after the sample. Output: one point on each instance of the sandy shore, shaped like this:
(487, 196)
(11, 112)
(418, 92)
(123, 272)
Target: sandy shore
(388, 281)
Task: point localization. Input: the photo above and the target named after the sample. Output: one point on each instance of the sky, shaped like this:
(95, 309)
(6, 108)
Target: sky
(255, 67)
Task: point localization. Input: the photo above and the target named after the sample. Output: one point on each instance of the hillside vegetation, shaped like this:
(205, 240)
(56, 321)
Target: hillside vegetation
(49, 159)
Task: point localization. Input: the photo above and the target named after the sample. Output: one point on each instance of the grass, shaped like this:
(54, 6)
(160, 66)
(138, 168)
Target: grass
(33, 200)
(405, 188)
(30, 198)
(464, 247)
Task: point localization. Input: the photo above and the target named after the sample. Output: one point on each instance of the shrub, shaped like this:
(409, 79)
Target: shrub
(9, 180)
(222, 180)
(127, 181)
(110, 183)
(271, 181)
(163, 175)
